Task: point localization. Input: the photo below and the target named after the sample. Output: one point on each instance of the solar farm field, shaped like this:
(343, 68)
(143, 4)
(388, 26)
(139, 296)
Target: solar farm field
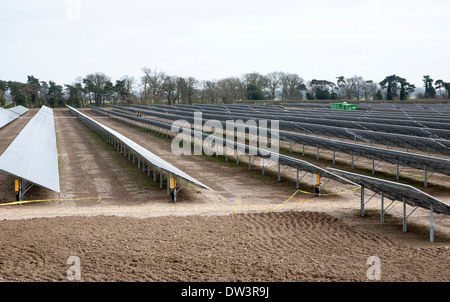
(234, 218)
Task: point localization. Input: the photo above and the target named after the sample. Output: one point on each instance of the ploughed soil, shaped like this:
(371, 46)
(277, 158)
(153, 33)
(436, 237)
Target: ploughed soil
(122, 227)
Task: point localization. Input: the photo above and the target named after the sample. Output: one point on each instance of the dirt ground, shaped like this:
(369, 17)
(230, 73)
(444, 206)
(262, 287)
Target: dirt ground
(122, 226)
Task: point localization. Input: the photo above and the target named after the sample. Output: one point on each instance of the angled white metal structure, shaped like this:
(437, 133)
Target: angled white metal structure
(400, 192)
(20, 110)
(9, 115)
(32, 157)
(125, 145)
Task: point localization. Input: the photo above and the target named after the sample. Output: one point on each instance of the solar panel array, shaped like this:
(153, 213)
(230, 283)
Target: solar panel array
(421, 162)
(398, 192)
(9, 115)
(33, 156)
(282, 159)
(133, 147)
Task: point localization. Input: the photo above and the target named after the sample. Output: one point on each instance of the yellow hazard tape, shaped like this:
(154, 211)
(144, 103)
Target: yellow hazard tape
(296, 192)
(99, 199)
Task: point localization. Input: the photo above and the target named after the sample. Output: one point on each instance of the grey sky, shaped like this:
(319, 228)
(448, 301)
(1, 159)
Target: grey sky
(61, 40)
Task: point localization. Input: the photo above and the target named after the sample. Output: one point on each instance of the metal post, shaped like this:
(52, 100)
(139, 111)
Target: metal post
(303, 151)
(160, 178)
(175, 190)
(263, 166)
(373, 165)
(382, 207)
(318, 152)
(425, 177)
(404, 215)
(334, 156)
(249, 162)
(297, 184)
(290, 147)
(397, 173)
(168, 185)
(352, 159)
(431, 224)
(362, 201)
(279, 175)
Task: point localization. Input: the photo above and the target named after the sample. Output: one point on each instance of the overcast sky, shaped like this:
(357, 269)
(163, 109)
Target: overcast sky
(60, 40)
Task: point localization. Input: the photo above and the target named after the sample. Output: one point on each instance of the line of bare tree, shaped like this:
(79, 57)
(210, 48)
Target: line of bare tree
(157, 87)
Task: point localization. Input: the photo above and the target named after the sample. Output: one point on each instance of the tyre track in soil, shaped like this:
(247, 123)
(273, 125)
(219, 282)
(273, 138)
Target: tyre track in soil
(206, 248)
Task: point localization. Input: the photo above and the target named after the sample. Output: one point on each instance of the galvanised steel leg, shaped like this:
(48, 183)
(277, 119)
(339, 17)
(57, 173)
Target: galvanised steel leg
(334, 156)
(297, 184)
(362, 201)
(431, 224)
(279, 167)
(160, 178)
(318, 152)
(382, 207)
(139, 161)
(373, 165)
(263, 166)
(168, 185)
(175, 190)
(154, 173)
(249, 163)
(404, 215)
(425, 183)
(352, 159)
(397, 174)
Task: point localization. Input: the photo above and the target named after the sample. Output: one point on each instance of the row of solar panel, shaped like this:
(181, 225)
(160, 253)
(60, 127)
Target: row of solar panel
(32, 157)
(390, 139)
(9, 115)
(387, 189)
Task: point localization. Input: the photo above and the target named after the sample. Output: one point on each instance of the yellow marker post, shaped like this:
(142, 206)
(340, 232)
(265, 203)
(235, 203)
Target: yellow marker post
(17, 185)
(172, 183)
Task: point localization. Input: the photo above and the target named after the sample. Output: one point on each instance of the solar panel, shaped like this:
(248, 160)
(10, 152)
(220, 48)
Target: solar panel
(299, 121)
(397, 191)
(20, 110)
(6, 117)
(390, 139)
(149, 156)
(420, 162)
(400, 192)
(33, 155)
(282, 159)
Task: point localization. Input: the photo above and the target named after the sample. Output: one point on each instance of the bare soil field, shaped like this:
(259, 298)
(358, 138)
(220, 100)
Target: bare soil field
(250, 228)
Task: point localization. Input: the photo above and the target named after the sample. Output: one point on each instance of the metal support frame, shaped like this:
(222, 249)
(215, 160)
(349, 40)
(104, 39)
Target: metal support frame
(21, 188)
